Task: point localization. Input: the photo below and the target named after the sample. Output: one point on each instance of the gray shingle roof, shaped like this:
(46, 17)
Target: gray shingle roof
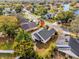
(25, 26)
(74, 43)
(28, 25)
(45, 34)
(38, 38)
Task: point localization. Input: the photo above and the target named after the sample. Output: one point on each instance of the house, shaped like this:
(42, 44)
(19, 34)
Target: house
(13, 12)
(9, 11)
(66, 45)
(43, 35)
(74, 44)
(6, 11)
(49, 16)
(26, 24)
(66, 7)
(29, 26)
(76, 12)
(24, 10)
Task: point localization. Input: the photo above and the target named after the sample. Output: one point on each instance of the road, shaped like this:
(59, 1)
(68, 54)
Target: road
(54, 25)
(58, 28)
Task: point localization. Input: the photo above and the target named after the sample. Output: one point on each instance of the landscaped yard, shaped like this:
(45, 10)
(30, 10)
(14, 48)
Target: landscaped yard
(45, 50)
(7, 42)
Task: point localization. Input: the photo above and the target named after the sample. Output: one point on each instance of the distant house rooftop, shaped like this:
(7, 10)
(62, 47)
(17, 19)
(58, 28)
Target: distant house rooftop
(43, 34)
(29, 26)
(25, 24)
(21, 19)
(66, 7)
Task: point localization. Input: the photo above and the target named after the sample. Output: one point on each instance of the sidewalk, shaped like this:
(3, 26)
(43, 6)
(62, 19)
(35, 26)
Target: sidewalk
(6, 51)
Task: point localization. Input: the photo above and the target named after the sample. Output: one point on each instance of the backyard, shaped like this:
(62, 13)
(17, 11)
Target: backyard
(46, 50)
(5, 41)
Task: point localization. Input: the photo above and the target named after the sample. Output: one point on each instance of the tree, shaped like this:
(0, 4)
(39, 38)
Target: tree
(22, 35)
(23, 46)
(9, 29)
(18, 9)
(1, 9)
(64, 16)
(40, 10)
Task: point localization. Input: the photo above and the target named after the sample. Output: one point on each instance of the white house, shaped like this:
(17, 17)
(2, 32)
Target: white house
(43, 35)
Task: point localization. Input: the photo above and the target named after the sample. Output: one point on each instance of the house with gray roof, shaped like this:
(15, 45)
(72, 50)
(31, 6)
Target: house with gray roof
(25, 24)
(68, 45)
(29, 26)
(43, 34)
(74, 44)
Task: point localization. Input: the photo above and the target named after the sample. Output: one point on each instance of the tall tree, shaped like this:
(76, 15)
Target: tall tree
(64, 16)
(24, 46)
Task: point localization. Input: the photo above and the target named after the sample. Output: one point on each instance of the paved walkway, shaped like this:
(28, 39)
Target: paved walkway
(6, 51)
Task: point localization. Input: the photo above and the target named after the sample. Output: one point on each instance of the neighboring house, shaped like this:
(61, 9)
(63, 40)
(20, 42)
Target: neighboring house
(74, 44)
(66, 7)
(25, 24)
(29, 26)
(13, 12)
(48, 15)
(76, 12)
(66, 45)
(6, 11)
(43, 35)
(24, 10)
